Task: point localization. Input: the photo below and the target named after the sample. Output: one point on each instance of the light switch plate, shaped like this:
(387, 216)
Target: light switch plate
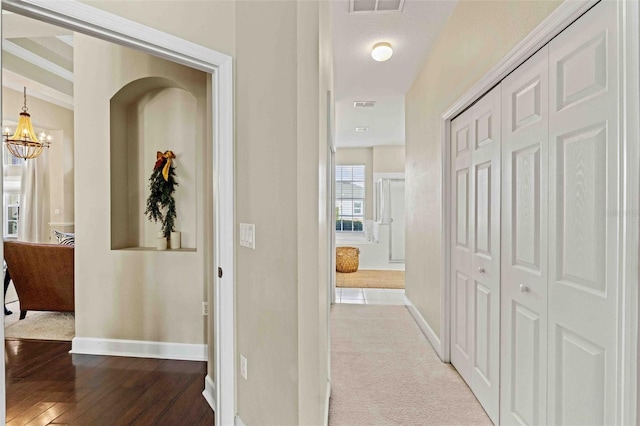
(243, 366)
(248, 235)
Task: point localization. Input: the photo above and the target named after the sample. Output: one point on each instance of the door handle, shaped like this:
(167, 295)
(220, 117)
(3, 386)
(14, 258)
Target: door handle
(481, 270)
(524, 288)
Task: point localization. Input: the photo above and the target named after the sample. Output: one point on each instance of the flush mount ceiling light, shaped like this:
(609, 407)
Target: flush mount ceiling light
(381, 51)
(24, 143)
(362, 129)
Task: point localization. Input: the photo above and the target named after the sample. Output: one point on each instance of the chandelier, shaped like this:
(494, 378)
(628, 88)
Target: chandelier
(24, 143)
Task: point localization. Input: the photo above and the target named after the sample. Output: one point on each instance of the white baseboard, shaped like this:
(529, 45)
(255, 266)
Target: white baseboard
(432, 337)
(326, 404)
(209, 391)
(138, 349)
(239, 421)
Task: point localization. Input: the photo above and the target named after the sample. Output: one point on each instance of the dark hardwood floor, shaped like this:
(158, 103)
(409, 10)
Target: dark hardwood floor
(47, 385)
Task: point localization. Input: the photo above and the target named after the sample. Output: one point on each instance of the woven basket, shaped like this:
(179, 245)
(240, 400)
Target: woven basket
(347, 259)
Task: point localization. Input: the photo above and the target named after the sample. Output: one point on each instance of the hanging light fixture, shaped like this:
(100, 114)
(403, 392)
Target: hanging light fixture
(24, 143)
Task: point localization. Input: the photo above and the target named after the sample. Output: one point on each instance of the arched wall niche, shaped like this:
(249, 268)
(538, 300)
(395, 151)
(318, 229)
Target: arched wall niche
(148, 115)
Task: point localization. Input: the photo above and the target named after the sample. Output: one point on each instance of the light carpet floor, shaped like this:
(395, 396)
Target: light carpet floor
(385, 372)
(39, 325)
(364, 278)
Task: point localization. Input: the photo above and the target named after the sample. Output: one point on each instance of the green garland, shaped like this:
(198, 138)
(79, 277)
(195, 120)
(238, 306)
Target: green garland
(161, 196)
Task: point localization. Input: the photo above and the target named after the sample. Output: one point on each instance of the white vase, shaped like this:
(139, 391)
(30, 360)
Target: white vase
(161, 243)
(175, 240)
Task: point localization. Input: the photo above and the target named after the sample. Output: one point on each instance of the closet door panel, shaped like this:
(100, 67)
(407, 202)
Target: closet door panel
(486, 130)
(525, 116)
(462, 290)
(584, 235)
(475, 201)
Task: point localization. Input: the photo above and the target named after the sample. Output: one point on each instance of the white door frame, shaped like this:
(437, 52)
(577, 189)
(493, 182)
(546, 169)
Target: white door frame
(95, 22)
(556, 22)
(331, 209)
(391, 260)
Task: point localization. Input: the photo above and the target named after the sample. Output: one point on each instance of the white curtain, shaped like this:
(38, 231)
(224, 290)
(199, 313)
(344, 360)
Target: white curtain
(33, 223)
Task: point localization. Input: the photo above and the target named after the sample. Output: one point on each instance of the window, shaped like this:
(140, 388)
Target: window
(11, 192)
(357, 208)
(8, 159)
(350, 198)
(11, 213)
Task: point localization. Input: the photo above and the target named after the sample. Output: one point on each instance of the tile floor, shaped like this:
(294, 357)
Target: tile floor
(370, 296)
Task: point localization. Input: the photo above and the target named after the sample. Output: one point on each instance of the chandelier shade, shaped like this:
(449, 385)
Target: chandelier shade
(24, 143)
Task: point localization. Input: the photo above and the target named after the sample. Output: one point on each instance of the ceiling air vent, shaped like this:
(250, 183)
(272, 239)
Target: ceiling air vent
(361, 129)
(364, 104)
(358, 6)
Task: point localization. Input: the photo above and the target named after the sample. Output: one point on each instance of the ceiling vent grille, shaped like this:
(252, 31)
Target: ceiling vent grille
(359, 6)
(364, 104)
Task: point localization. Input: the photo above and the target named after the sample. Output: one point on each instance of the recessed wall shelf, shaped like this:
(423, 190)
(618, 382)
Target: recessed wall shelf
(183, 250)
(148, 115)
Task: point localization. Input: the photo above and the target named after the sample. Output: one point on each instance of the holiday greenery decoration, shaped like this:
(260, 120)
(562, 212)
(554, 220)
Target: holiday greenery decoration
(162, 184)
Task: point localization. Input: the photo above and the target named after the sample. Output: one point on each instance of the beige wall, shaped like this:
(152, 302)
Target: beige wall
(388, 159)
(281, 288)
(124, 294)
(59, 122)
(182, 125)
(477, 36)
(314, 82)
(378, 159)
(210, 24)
(266, 139)
(282, 284)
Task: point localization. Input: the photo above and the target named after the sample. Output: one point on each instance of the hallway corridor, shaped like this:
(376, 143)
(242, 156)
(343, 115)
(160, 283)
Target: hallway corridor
(385, 372)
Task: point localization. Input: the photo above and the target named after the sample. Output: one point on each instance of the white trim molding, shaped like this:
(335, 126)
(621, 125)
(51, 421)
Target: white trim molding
(396, 175)
(138, 349)
(38, 61)
(80, 17)
(431, 336)
(238, 421)
(209, 391)
(66, 39)
(629, 296)
(38, 90)
(63, 224)
(326, 404)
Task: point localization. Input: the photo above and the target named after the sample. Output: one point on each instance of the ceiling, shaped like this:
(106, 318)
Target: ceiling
(38, 56)
(357, 77)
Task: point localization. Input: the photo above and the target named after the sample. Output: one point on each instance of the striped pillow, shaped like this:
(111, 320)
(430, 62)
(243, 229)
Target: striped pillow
(65, 239)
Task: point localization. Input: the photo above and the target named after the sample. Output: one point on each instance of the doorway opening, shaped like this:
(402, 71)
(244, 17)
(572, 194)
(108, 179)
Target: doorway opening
(369, 225)
(218, 248)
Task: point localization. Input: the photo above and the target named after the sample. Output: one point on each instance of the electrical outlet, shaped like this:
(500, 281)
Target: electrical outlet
(205, 308)
(243, 367)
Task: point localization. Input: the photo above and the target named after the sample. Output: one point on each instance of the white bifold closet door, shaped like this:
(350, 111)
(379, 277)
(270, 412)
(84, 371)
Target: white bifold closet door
(476, 249)
(585, 233)
(525, 151)
(560, 231)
